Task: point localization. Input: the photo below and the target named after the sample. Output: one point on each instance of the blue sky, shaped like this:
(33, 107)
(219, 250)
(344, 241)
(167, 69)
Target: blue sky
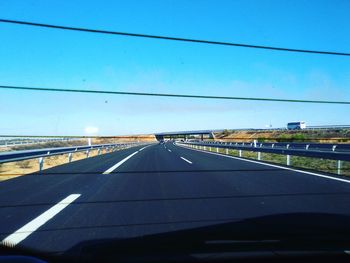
(38, 57)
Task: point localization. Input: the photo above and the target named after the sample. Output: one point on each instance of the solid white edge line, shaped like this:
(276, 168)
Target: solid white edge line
(119, 163)
(271, 165)
(144, 148)
(186, 160)
(22, 233)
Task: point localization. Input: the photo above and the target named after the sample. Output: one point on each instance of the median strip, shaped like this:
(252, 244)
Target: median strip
(186, 160)
(119, 163)
(22, 233)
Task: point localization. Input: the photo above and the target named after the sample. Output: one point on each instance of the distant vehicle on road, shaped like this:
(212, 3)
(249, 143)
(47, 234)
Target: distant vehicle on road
(299, 125)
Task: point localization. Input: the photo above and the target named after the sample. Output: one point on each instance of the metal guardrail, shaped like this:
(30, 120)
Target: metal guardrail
(308, 147)
(12, 156)
(338, 152)
(29, 141)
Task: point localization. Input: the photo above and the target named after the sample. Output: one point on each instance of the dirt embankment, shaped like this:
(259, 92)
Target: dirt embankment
(317, 136)
(118, 139)
(18, 168)
(13, 169)
(81, 142)
(43, 145)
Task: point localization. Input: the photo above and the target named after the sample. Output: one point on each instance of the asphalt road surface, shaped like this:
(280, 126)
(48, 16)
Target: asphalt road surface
(154, 189)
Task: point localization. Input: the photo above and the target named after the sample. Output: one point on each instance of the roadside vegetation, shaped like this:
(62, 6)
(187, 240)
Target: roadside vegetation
(18, 168)
(13, 169)
(317, 136)
(302, 136)
(97, 140)
(314, 164)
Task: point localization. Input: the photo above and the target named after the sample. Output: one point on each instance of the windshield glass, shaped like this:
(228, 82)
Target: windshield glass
(186, 121)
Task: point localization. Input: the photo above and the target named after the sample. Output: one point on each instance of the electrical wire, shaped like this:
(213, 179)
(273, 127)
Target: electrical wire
(173, 95)
(201, 41)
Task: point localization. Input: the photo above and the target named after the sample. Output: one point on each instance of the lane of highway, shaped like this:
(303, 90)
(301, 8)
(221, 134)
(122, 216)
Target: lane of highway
(19, 196)
(160, 188)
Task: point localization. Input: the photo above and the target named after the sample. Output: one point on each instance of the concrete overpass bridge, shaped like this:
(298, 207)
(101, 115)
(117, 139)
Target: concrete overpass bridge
(185, 134)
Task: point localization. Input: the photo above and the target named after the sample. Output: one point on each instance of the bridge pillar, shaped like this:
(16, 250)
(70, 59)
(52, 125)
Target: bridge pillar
(211, 135)
(159, 137)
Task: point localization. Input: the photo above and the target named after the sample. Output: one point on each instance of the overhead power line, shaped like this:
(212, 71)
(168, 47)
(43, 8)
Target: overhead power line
(173, 95)
(201, 41)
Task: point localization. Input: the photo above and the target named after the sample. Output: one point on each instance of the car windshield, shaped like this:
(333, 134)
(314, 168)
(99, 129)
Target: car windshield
(189, 126)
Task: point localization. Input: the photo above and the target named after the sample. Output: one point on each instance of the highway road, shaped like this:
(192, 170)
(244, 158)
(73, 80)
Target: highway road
(153, 189)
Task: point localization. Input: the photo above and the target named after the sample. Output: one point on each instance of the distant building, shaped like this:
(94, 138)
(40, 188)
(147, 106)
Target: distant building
(298, 125)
